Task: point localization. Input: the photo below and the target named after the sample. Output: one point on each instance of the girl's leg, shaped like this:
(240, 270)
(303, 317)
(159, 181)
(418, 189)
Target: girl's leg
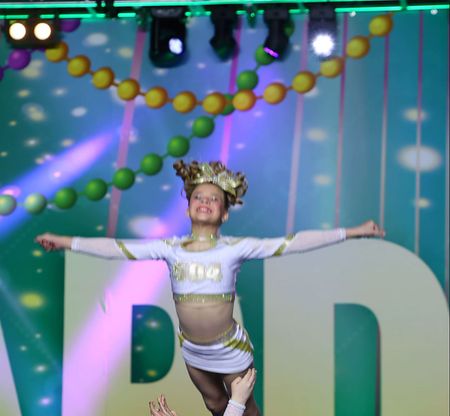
(251, 408)
(212, 389)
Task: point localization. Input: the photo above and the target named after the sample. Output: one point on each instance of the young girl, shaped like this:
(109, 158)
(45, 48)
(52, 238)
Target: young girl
(203, 268)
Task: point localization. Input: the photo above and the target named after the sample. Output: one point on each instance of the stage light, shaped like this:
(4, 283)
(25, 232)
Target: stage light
(167, 36)
(323, 44)
(17, 31)
(176, 46)
(224, 19)
(276, 18)
(42, 31)
(322, 29)
(32, 33)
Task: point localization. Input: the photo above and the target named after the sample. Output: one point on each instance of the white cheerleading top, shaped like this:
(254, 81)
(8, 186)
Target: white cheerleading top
(209, 274)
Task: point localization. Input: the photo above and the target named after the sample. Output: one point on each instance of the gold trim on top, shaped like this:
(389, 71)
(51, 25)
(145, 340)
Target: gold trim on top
(283, 246)
(125, 250)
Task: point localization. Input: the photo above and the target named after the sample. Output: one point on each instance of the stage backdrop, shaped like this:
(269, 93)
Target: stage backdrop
(370, 143)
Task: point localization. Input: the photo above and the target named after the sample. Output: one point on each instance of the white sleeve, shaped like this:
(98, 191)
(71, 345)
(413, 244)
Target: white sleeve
(234, 409)
(111, 248)
(256, 248)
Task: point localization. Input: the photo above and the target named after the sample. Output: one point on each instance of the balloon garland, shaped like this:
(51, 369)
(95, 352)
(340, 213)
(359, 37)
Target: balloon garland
(214, 104)
(156, 97)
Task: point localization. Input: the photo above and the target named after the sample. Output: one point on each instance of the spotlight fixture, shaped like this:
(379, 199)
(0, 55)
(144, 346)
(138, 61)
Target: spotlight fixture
(224, 19)
(322, 29)
(276, 18)
(167, 36)
(32, 33)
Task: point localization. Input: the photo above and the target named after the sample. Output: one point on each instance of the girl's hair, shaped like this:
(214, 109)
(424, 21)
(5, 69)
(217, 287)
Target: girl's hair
(192, 175)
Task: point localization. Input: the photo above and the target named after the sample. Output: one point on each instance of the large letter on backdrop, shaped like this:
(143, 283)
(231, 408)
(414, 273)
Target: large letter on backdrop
(119, 335)
(301, 292)
(8, 398)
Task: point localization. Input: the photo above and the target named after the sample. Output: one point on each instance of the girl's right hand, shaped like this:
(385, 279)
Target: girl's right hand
(51, 242)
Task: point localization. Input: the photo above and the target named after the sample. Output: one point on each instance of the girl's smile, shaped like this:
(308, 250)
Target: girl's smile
(207, 205)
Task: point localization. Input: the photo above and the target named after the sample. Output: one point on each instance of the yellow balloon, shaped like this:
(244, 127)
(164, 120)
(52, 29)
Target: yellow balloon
(128, 89)
(303, 82)
(214, 103)
(381, 25)
(156, 97)
(103, 78)
(244, 100)
(184, 102)
(358, 47)
(274, 93)
(332, 67)
(58, 53)
(79, 66)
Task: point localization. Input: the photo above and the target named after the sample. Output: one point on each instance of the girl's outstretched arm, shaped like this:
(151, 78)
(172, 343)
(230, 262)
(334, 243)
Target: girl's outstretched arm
(99, 247)
(108, 248)
(251, 248)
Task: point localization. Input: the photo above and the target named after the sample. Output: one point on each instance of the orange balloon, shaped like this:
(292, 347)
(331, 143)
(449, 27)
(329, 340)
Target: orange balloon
(332, 67)
(156, 97)
(381, 25)
(244, 100)
(79, 66)
(303, 82)
(128, 89)
(58, 53)
(103, 78)
(274, 93)
(358, 47)
(214, 103)
(184, 102)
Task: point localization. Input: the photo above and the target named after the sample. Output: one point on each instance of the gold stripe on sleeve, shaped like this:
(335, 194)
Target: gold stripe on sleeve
(283, 246)
(125, 250)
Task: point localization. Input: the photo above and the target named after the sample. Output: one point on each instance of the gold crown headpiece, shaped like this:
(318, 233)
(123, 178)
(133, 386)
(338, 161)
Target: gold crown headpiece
(225, 180)
(233, 184)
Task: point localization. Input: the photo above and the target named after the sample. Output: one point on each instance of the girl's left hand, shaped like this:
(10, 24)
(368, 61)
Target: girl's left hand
(368, 229)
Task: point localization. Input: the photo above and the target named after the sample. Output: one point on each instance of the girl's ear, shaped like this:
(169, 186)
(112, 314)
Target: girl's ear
(225, 217)
(187, 213)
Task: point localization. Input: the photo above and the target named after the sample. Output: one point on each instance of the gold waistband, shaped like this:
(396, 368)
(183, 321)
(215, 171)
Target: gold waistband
(221, 338)
(203, 298)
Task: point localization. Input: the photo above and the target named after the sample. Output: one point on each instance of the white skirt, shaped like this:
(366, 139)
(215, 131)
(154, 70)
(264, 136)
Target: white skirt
(231, 353)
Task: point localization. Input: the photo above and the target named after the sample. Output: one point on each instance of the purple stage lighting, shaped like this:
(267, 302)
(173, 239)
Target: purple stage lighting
(271, 52)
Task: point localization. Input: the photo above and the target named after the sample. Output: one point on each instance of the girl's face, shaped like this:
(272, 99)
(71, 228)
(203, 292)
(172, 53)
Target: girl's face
(207, 205)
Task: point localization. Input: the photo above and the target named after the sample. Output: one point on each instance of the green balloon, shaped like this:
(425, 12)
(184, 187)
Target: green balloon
(96, 189)
(35, 203)
(123, 178)
(289, 28)
(65, 198)
(229, 108)
(151, 164)
(178, 146)
(247, 80)
(7, 204)
(262, 57)
(203, 126)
